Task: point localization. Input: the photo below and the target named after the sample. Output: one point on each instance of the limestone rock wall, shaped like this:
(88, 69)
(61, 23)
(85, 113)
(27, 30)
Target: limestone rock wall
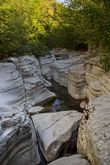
(18, 142)
(83, 76)
(12, 91)
(70, 73)
(98, 81)
(77, 81)
(36, 91)
(60, 71)
(94, 131)
(21, 87)
(45, 63)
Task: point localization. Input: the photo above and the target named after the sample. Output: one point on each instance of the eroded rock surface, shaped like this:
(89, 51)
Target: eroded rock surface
(21, 83)
(36, 92)
(71, 160)
(54, 129)
(18, 142)
(70, 73)
(98, 81)
(21, 87)
(60, 71)
(45, 63)
(94, 131)
(77, 82)
(12, 92)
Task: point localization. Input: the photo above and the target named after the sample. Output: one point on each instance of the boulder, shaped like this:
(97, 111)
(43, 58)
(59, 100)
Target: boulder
(35, 110)
(18, 142)
(94, 131)
(71, 160)
(54, 130)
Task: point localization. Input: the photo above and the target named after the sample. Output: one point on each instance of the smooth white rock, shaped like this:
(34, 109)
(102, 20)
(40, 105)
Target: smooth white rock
(71, 160)
(54, 129)
(35, 110)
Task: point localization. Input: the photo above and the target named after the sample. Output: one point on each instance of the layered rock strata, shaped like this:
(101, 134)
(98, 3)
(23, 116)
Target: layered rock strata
(94, 131)
(18, 142)
(21, 87)
(60, 71)
(12, 91)
(36, 92)
(45, 63)
(98, 81)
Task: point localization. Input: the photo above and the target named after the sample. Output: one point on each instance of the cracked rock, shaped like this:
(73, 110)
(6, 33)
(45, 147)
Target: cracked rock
(55, 129)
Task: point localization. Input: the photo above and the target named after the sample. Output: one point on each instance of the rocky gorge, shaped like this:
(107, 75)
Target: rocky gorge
(28, 136)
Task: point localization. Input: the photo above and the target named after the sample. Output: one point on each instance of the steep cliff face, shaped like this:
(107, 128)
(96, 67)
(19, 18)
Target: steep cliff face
(98, 81)
(12, 91)
(21, 83)
(34, 83)
(83, 76)
(60, 71)
(94, 131)
(77, 81)
(21, 87)
(45, 65)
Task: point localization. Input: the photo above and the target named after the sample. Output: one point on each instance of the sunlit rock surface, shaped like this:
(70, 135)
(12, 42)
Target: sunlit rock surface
(77, 82)
(98, 81)
(21, 83)
(94, 131)
(71, 160)
(54, 129)
(18, 142)
(70, 73)
(12, 91)
(36, 92)
(21, 87)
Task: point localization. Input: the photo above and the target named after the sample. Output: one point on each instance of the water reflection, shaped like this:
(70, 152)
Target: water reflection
(56, 106)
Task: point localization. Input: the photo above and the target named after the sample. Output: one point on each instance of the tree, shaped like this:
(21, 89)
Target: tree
(24, 25)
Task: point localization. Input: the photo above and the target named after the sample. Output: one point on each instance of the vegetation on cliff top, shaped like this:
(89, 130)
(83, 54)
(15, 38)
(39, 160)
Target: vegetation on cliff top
(34, 26)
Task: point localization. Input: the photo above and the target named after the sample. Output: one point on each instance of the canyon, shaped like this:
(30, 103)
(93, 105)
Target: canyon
(31, 134)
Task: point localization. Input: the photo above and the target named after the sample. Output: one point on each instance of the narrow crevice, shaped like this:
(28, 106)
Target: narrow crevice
(69, 102)
(43, 161)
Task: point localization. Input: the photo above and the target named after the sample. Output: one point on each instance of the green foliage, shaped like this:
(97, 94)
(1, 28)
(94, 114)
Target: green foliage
(105, 60)
(91, 18)
(23, 25)
(34, 26)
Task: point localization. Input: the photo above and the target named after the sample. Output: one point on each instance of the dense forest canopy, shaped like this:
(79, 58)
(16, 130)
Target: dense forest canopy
(35, 26)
